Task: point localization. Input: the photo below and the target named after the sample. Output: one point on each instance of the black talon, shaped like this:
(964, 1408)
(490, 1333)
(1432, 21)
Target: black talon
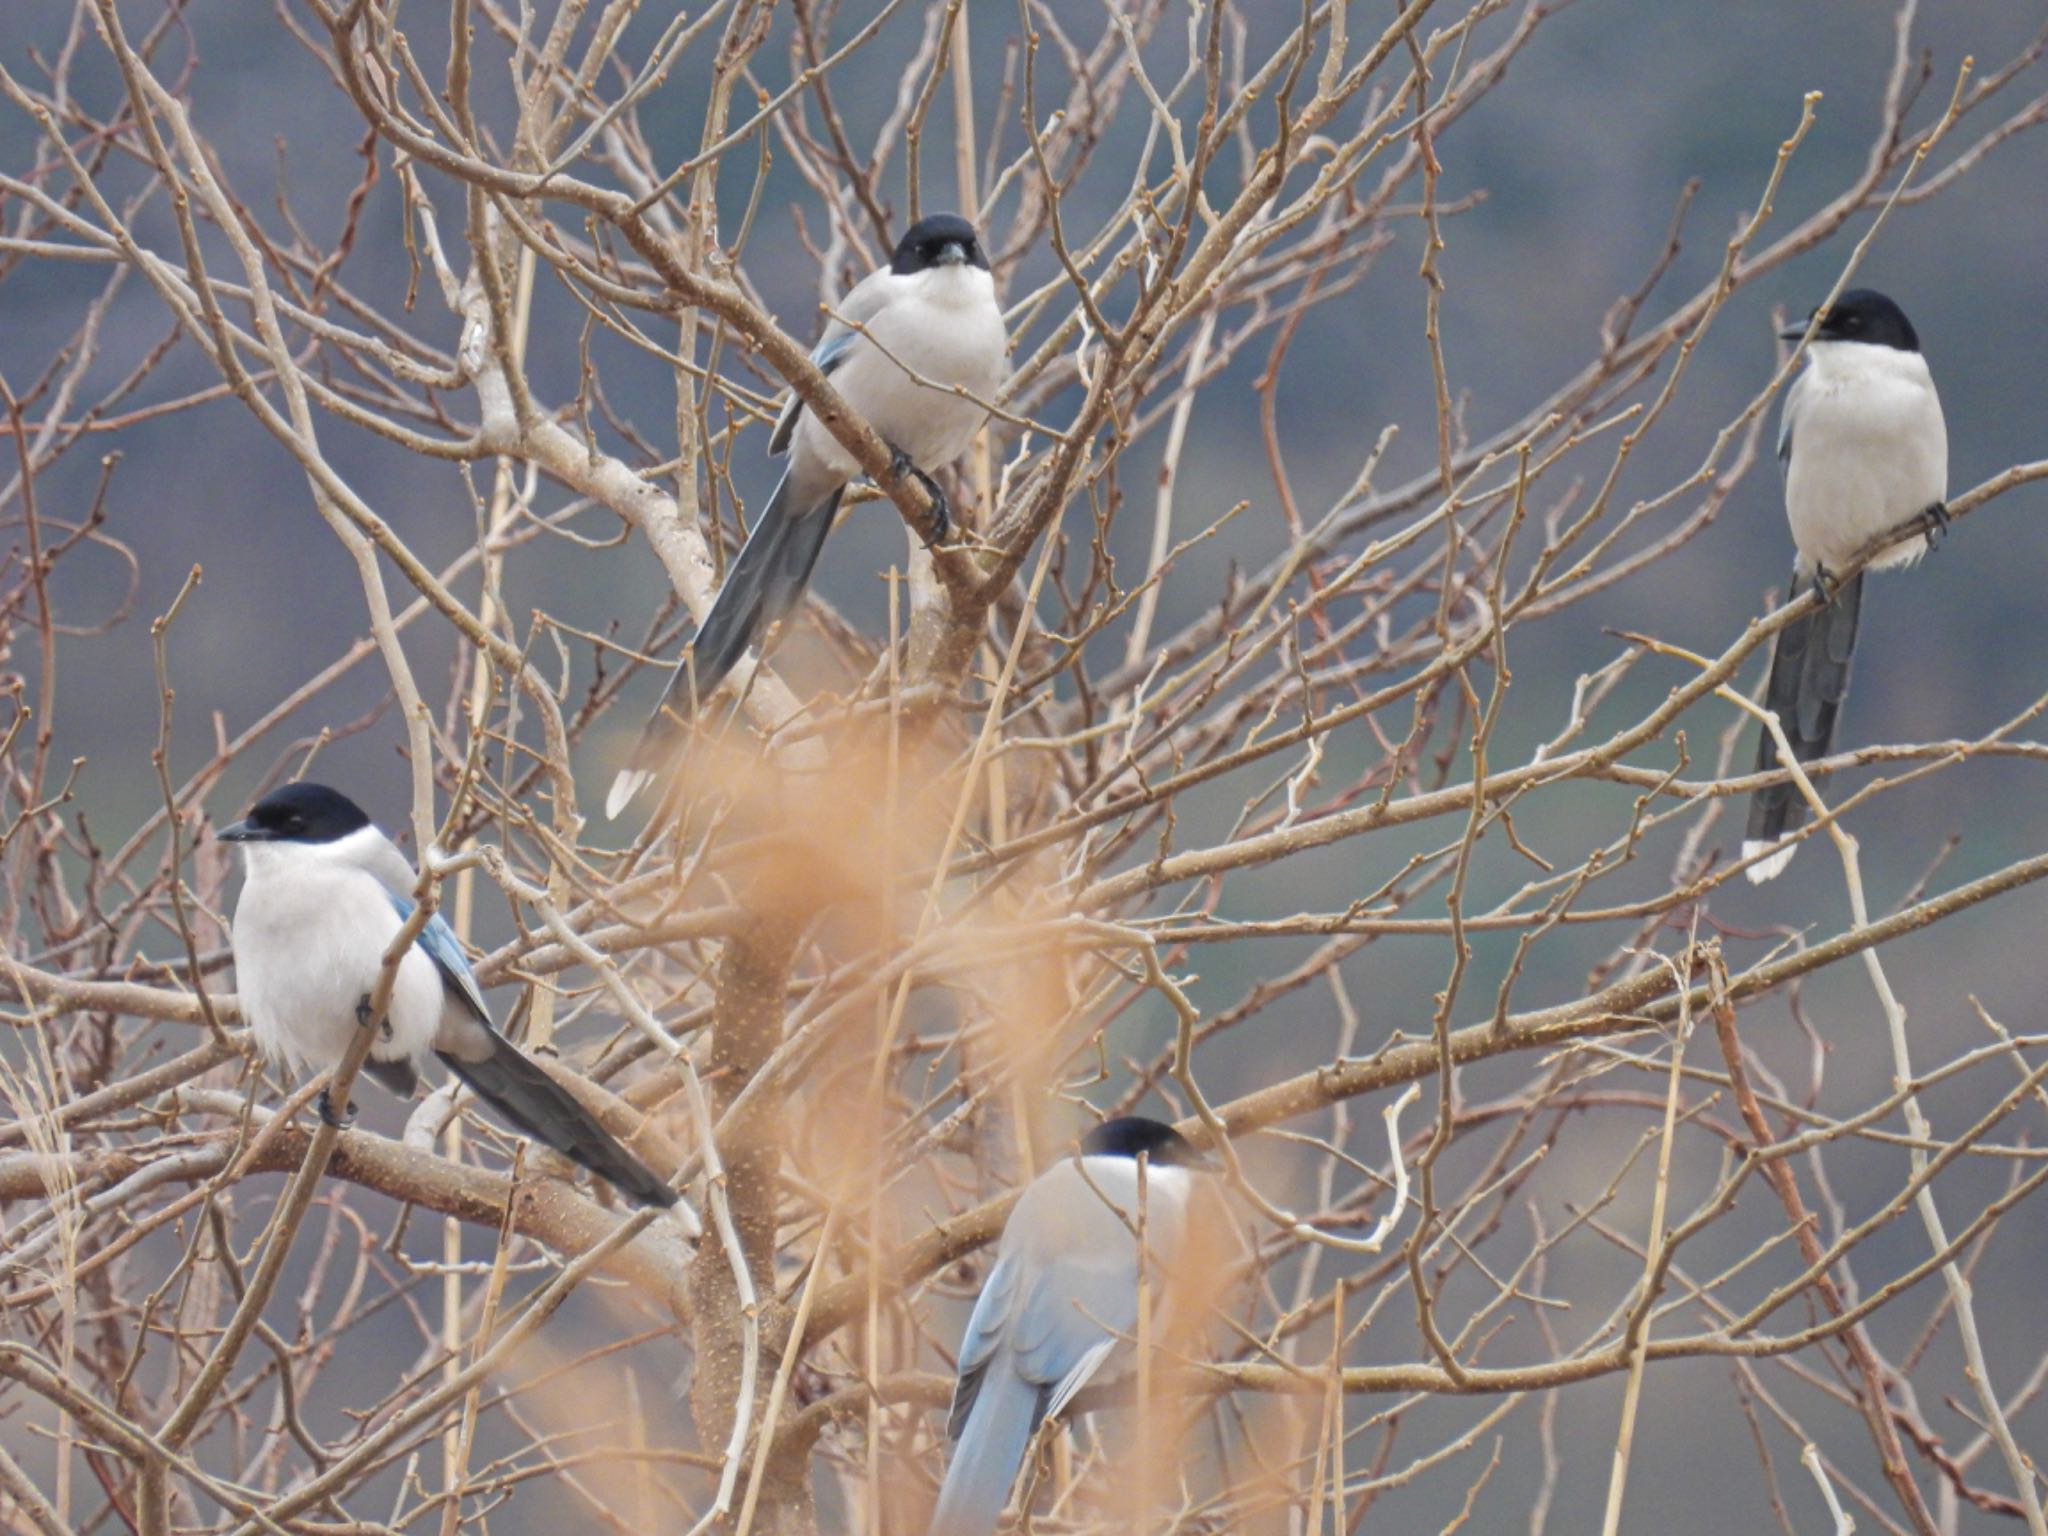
(942, 510)
(363, 1012)
(1936, 519)
(340, 1122)
(1828, 585)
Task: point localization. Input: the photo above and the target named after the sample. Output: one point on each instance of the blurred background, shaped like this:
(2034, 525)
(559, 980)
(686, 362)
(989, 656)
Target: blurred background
(1577, 164)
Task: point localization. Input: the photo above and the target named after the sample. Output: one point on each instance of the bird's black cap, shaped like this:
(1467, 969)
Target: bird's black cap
(943, 239)
(1861, 314)
(1131, 1135)
(298, 813)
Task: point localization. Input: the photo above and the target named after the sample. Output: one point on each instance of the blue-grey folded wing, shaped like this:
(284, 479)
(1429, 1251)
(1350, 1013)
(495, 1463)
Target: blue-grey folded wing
(440, 945)
(866, 299)
(1068, 1323)
(985, 1329)
(828, 354)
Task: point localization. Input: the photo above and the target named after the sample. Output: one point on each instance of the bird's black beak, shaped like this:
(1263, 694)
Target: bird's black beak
(1797, 330)
(241, 832)
(953, 254)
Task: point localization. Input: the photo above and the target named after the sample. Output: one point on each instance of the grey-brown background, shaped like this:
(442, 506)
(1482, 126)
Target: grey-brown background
(1581, 156)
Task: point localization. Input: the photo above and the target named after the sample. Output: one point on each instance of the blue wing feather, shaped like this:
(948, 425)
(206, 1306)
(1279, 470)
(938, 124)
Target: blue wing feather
(831, 350)
(441, 946)
(991, 1314)
(1069, 1312)
(828, 354)
(985, 1327)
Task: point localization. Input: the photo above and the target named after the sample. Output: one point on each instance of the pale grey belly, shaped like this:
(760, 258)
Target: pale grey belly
(301, 1005)
(905, 392)
(1836, 509)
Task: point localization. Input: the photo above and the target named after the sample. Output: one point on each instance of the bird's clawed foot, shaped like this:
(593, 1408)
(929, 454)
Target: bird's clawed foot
(942, 510)
(1826, 581)
(364, 1012)
(1934, 523)
(340, 1122)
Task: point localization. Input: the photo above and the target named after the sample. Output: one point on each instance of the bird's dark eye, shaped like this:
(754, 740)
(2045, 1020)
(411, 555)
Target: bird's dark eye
(1852, 322)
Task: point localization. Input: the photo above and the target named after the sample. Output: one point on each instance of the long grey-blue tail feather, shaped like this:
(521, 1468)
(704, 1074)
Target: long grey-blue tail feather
(773, 568)
(1809, 680)
(989, 1452)
(763, 585)
(508, 1080)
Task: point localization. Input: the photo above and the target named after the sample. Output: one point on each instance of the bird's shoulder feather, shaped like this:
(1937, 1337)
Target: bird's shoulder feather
(866, 299)
(438, 943)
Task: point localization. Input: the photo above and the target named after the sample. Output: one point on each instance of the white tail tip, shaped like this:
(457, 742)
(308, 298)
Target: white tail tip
(625, 789)
(1767, 869)
(687, 1219)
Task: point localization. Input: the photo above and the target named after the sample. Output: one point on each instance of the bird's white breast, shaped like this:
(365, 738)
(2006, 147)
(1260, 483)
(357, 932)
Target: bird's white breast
(937, 332)
(310, 931)
(1869, 450)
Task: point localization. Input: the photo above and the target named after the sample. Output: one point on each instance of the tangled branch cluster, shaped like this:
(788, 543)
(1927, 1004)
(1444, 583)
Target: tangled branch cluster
(932, 889)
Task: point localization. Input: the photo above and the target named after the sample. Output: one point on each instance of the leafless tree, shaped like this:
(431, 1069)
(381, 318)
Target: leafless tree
(932, 891)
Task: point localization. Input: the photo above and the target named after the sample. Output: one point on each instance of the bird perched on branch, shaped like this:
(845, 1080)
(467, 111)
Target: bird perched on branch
(324, 897)
(1864, 450)
(915, 349)
(1062, 1296)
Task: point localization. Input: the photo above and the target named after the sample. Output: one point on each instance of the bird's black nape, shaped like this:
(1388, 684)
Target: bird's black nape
(1131, 1135)
(298, 813)
(936, 241)
(1862, 314)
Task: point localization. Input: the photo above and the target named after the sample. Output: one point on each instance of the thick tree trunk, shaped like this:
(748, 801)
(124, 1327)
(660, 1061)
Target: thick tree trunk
(753, 979)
